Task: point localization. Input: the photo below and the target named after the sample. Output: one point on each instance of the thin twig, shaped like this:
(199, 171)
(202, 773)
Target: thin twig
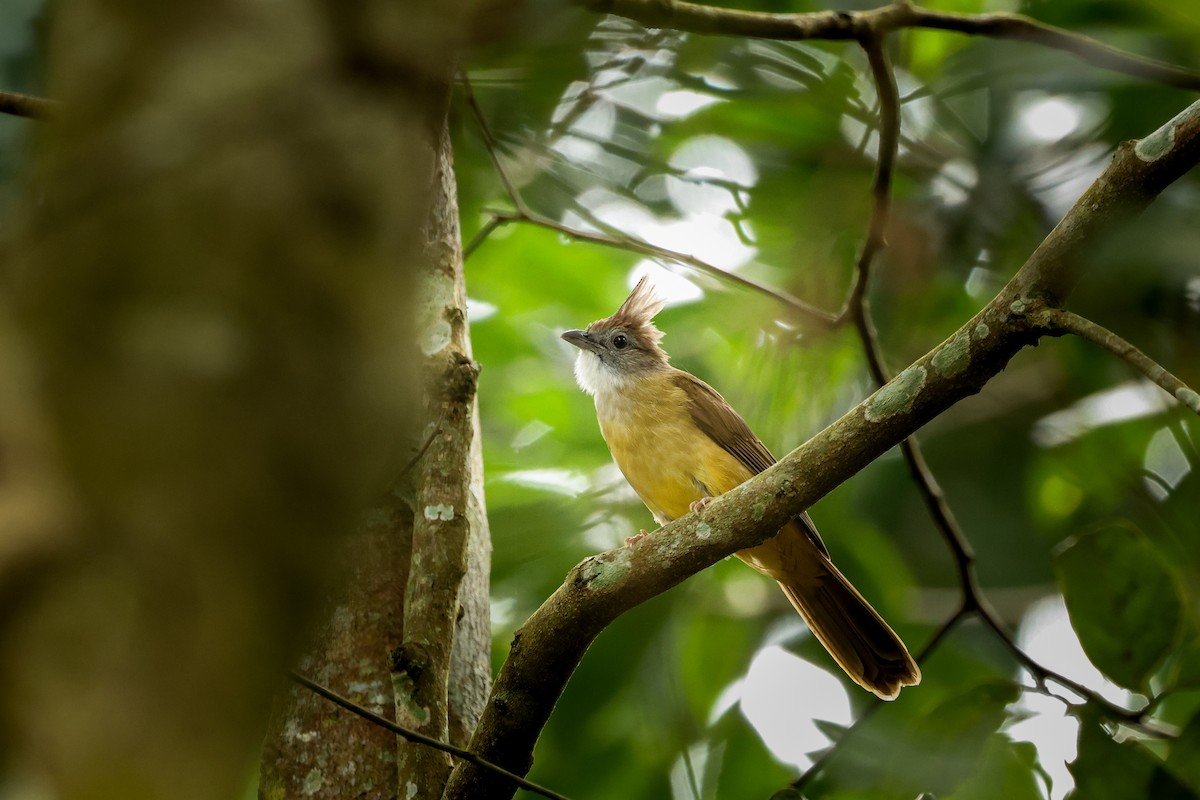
(881, 188)
(482, 234)
(1062, 322)
(821, 317)
(489, 143)
(1025, 29)
(888, 102)
(28, 106)
(412, 462)
(419, 738)
(943, 517)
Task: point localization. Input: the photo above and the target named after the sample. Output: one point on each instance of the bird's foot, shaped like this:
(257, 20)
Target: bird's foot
(701, 503)
(632, 540)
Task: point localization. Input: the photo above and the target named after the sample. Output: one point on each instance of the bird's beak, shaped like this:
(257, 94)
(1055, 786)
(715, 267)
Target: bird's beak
(582, 340)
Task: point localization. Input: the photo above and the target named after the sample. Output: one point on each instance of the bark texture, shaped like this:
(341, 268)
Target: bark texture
(441, 672)
(410, 637)
(312, 748)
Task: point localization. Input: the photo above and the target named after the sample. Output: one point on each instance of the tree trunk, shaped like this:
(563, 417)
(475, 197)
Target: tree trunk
(313, 748)
(376, 648)
(207, 375)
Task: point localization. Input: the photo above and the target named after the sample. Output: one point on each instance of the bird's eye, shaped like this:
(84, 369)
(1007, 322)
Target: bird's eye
(620, 342)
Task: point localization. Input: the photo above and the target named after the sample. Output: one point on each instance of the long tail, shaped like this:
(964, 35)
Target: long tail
(854, 634)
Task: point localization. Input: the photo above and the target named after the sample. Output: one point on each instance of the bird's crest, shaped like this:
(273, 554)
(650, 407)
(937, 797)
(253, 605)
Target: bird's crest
(637, 313)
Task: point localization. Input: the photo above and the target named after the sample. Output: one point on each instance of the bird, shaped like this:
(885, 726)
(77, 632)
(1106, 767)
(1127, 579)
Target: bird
(679, 444)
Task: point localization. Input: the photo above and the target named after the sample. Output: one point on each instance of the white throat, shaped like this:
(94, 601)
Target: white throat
(595, 377)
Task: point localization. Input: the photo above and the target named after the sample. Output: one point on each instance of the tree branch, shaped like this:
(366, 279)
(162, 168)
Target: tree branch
(1060, 322)
(1021, 28)
(28, 106)
(862, 25)
(547, 648)
(973, 600)
(489, 142)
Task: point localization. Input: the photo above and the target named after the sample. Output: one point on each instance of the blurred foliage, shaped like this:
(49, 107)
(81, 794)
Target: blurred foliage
(20, 31)
(757, 157)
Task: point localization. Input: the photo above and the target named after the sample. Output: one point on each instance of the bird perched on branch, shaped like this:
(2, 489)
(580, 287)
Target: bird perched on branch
(679, 444)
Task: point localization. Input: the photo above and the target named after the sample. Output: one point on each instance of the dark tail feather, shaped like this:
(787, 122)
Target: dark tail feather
(854, 634)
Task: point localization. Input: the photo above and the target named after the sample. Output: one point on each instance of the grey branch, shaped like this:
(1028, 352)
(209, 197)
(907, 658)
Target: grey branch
(973, 603)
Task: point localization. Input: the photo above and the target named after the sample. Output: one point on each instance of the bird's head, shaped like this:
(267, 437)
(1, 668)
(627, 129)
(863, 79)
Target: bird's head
(619, 348)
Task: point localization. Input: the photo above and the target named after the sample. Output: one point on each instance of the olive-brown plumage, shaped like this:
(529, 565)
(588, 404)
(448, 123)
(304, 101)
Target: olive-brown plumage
(677, 441)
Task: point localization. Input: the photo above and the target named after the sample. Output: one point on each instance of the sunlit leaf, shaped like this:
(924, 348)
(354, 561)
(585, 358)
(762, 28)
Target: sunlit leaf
(1183, 666)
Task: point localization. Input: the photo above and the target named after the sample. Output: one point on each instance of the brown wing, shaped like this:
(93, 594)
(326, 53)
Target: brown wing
(724, 426)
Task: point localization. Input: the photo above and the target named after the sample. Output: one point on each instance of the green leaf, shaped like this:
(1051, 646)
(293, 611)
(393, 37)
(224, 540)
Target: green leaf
(1184, 759)
(1183, 670)
(1009, 771)
(1122, 602)
(1108, 770)
(832, 730)
(712, 650)
(951, 739)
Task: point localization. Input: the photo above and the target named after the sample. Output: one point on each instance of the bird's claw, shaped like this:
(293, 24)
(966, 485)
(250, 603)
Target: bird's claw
(696, 505)
(632, 540)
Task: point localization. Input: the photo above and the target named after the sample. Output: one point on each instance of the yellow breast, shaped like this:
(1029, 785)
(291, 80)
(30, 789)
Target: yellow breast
(667, 460)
